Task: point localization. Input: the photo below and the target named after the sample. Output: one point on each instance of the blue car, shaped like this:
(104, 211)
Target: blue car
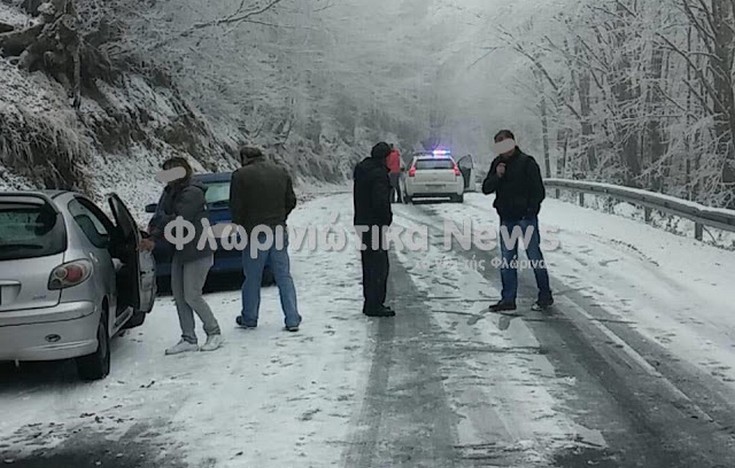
(227, 264)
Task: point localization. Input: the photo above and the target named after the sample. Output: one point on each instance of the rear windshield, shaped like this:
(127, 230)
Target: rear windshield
(434, 164)
(30, 229)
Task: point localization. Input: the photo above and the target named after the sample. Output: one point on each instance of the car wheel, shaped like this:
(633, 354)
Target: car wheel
(269, 279)
(135, 321)
(163, 284)
(459, 199)
(96, 366)
(408, 200)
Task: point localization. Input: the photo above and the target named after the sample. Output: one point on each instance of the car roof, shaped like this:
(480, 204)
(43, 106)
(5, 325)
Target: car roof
(52, 194)
(214, 177)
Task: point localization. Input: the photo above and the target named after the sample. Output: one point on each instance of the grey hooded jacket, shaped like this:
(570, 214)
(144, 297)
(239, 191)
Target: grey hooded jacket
(185, 199)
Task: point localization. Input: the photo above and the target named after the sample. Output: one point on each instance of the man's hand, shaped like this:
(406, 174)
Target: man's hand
(500, 170)
(147, 245)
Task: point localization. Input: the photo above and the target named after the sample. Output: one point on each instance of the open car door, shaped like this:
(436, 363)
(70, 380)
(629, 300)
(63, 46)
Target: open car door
(139, 263)
(466, 164)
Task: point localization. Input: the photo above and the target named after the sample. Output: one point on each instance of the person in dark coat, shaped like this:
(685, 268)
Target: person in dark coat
(372, 202)
(185, 198)
(262, 195)
(515, 179)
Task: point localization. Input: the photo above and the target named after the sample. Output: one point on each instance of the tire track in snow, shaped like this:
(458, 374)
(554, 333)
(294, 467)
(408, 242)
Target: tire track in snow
(405, 419)
(653, 411)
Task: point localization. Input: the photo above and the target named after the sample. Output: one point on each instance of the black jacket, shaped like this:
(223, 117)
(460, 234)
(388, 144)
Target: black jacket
(185, 199)
(520, 191)
(372, 193)
(261, 194)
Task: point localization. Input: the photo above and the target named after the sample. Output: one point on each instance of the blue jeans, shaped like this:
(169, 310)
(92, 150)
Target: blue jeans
(509, 251)
(253, 266)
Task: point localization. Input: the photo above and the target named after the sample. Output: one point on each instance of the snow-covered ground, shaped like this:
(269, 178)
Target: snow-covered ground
(675, 289)
(443, 384)
(268, 398)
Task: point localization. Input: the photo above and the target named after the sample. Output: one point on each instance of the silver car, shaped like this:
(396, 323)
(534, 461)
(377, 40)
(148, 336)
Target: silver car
(70, 278)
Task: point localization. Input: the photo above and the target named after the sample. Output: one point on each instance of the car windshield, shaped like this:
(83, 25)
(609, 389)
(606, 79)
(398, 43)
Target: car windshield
(434, 164)
(218, 193)
(30, 229)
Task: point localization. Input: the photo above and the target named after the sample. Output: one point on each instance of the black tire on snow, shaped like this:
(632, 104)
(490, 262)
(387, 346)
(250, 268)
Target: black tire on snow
(135, 321)
(269, 279)
(96, 366)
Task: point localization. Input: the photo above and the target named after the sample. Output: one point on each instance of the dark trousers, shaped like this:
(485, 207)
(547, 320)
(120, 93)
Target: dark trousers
(375, 268)
(395, 185)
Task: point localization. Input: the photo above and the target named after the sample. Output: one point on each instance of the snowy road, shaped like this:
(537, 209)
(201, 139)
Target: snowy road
(634, 367)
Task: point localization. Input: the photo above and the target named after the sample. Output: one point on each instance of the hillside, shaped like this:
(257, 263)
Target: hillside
(129, 119)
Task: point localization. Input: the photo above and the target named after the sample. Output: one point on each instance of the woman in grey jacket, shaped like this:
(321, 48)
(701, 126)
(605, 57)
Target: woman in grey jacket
(184, 198)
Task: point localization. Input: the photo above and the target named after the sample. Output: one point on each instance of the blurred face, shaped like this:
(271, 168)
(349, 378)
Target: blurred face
(504, 146)
(172, 173)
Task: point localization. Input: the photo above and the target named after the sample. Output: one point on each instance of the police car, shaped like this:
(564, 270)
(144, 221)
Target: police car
(434, 175)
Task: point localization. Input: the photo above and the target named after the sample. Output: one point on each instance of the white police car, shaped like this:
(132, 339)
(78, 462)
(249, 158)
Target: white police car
(434, 175)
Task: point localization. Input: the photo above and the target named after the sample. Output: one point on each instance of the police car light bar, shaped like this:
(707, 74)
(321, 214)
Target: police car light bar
(440, 152)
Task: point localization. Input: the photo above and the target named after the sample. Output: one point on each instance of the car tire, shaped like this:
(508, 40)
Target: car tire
(96, 366)
(408, 200)
(459, 199)
(136, 320)
(269, 279)
(163, 285)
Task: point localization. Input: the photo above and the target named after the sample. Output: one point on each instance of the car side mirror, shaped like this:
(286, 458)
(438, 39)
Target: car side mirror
(151, 208)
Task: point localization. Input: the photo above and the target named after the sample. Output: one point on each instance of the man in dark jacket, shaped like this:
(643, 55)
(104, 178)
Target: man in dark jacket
(372, 199)
(262, 196)
(515, 178)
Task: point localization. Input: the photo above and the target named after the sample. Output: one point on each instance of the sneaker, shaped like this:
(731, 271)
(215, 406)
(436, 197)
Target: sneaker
(293, 329)
(542, 306)
(503, 307)
(214, 342)
(241, 323)
(182, 346)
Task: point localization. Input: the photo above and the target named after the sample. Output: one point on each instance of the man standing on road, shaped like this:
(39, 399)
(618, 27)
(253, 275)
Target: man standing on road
(372, 199)
(262, 196)
(515, 178)
(394, 168)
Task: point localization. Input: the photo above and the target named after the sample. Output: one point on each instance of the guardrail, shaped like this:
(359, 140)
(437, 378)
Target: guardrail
(700, 214)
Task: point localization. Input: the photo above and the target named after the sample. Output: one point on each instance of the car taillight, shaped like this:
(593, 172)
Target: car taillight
(457, 171)
(70, 274)
(412, 172)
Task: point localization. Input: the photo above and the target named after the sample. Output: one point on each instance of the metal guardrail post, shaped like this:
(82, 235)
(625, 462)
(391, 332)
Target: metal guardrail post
(698, 231)
(581, 198)
(647, 214)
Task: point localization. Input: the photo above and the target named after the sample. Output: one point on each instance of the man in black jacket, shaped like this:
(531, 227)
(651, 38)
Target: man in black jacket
(515, 178)
(372, 198)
